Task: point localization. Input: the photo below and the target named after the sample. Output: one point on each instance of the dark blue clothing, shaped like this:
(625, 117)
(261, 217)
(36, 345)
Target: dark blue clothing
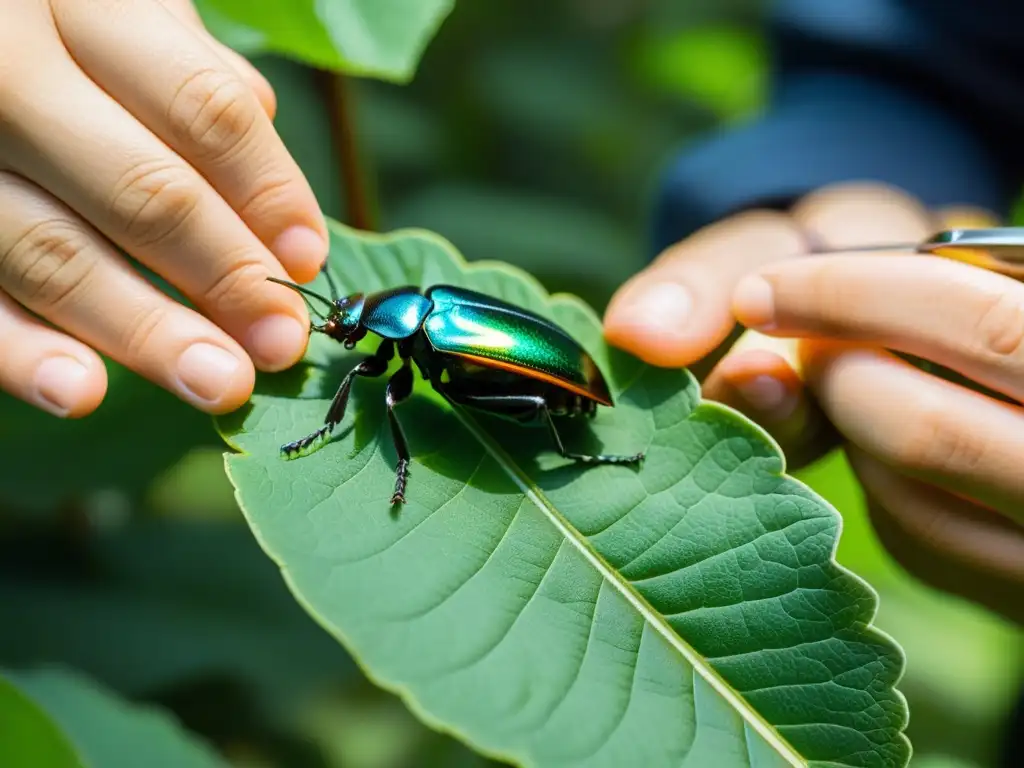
(927, 95)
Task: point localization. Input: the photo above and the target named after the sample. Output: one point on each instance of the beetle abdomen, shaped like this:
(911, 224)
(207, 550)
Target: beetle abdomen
(490, 332)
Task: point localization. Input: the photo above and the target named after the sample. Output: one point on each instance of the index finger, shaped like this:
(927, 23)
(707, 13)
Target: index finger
(959, 316)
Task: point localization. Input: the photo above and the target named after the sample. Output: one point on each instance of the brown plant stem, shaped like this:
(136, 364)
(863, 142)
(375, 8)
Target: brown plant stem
(359, 197)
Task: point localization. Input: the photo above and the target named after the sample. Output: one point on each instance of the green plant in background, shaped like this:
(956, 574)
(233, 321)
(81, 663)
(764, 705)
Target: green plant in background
(528, 135)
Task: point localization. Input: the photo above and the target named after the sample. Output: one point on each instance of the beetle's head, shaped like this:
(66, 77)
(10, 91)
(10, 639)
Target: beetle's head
(342, 320)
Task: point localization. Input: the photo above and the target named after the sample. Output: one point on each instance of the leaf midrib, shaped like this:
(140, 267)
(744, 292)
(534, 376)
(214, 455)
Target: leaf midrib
(625, 588)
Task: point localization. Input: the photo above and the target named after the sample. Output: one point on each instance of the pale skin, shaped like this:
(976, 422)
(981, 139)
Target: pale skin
(940, 464)
(124, 126)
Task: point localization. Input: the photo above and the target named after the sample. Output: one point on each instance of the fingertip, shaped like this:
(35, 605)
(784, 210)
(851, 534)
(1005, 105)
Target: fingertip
(753, 303)
(757, 382)
(214, 376)
(658, 320)
(649, 346)
(277, 342)
(75, 383)
(663, 349)
(237, 393)
(746, 364)
(763, 386)
(92, 393)
(302, 251)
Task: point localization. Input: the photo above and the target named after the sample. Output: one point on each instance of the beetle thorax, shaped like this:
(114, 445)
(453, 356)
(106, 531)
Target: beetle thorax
(344, 322)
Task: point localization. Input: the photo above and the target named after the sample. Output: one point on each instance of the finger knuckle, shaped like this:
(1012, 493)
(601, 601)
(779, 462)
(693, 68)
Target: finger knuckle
(215, 112)
(270, 193)
(999, 329)
(235, 288)
(143, 334)
(153, 200)
(937, 442)
(47, 264)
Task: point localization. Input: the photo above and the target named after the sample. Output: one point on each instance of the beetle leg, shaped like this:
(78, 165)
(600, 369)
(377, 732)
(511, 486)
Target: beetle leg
(399, 388)
(527, 408)
(371, 367)
(583, 458)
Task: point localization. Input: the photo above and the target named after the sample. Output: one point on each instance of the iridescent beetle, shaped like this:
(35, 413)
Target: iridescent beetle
(475, 350)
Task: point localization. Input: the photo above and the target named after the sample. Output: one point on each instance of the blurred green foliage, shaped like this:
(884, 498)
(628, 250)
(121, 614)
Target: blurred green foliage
(533, 132)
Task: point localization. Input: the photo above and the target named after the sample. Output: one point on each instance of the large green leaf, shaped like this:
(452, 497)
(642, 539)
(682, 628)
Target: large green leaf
(689, 613)
(86, 726)
(377, 38)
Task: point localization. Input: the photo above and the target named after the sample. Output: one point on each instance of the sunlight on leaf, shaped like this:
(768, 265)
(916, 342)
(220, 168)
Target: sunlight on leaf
(690, 613)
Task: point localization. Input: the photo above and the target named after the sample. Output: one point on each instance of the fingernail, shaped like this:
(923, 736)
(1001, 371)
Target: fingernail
(58, 383)
(662, 305)
(277, 341)
(768, 395)
(206, 371)
(754, 302)
(300, 245)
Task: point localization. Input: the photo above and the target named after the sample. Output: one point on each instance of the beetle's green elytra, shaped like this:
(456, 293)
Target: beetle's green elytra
(501, 335)
(475, 350)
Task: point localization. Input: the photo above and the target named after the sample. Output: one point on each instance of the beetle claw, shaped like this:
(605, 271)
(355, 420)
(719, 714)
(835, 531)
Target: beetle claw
(402, 472)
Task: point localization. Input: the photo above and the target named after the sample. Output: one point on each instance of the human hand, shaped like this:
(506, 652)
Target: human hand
(678, 311)
(125, 124)
(912, 438)
(940, 462)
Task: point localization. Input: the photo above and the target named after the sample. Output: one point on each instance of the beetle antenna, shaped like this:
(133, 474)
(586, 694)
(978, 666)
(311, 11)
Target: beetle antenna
(330, 282)
(307, 293)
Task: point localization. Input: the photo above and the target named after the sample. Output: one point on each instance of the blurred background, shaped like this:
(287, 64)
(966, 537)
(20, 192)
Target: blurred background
(533, 133)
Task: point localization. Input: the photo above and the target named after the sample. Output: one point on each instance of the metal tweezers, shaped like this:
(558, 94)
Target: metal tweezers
(1000, 249)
